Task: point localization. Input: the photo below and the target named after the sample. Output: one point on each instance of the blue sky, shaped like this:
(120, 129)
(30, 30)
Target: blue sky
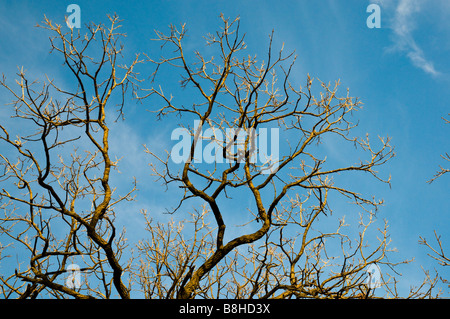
(401, 72)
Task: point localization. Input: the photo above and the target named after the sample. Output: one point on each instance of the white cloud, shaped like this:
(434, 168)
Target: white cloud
(403, 26)
(418, 59)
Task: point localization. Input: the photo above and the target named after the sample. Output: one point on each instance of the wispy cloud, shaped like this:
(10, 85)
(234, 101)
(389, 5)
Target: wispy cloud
(403, 25)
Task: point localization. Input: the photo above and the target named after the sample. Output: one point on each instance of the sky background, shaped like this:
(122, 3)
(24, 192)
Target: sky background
(401, 72)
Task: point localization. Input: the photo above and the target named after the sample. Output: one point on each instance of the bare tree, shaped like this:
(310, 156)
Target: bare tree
(56, 195)
(266, 268)
(58, 203)
(281, 252)
(438, 253)
(446, 157)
